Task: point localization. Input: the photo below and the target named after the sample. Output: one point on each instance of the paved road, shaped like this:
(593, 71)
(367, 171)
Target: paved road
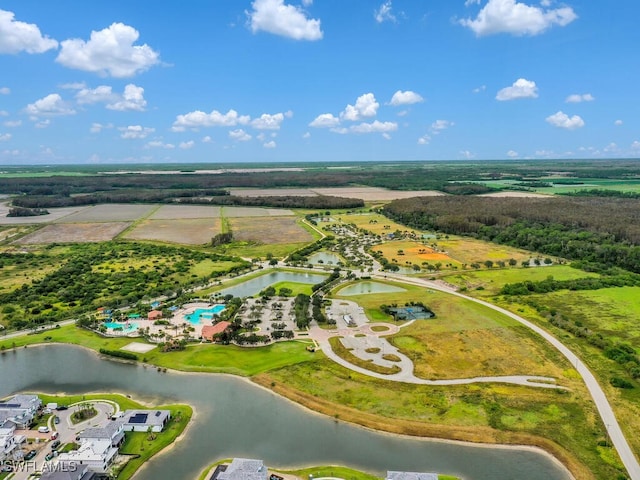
(604, 408)
(51, 326)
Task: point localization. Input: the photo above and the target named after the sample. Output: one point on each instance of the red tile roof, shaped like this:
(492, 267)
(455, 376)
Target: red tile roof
(209, 331)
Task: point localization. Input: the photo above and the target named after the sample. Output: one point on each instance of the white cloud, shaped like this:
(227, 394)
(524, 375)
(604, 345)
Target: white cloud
(374, 127)
(325, 120)
(187, 145)
(5, 91)
(479, 89)
(207, 139)
(160, 144)
(386, 136)
(521, 88)
(512, 154)
(635, 145)
(383, 13)
(467, 154)
(405, 98)
(43, 123)
(110, 51)
(516, 18)
(103, 93)
(424, 140)
(366, 106)
(51, 105)
(562, 120)
(5, 137)
(307, 3)
(306, 135)
(4, 113)
(578, 98)
(12, 123)
(617, 123)
(16, 36)
(239, 135)
(270, 144)
(132, 99)
(274, 16)
(439, 125)
(268, 122)
(73, 86)
(198, 119)
(135, 131)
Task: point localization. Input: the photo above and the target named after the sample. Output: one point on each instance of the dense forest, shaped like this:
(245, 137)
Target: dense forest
(599, 230)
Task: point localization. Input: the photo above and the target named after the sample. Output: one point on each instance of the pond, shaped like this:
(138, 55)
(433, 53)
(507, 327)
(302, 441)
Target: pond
(235, 418)
(253, 286)
(365, 287)
(326, 258)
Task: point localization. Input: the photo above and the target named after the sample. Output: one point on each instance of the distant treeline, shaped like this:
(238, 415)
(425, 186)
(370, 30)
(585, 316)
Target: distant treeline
(598, 230)
(601, 192)
(588, 283)
(26, 212)
(319, 201)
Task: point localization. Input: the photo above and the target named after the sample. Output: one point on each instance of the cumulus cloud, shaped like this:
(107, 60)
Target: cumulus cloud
(374, 127)
(207, 139)
(4, 113)
(51, 105)
(635, 145)
(366, 106)
(5, 91)
(12, 123)
(109, 52)
(617, 123)
(384, 13)
(199, 119)
(132, 99)
(17, 36)
(187, 145)
(424, 140)
(325, 120)
(562, 120)
(517, 18)
(5, 137)
(274, 16)
(479, 89)
(270, 144)
(239, 135)
(405, 98)
(135, 131)
(578, 98)
(268, 122)
(521, 88)
(306, 135)
(43, 123)
(440, 125)
(98, 127)
(512, 154)
(160, 144)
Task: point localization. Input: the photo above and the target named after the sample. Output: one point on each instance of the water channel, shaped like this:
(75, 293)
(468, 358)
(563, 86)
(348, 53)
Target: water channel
(328, 258)
(255, 285)
(234, 418)
(366, 287)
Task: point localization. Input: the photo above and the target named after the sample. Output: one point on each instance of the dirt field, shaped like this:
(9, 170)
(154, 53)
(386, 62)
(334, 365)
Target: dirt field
(272, 192)
(54, 214)
(370, 194)
(114, 212)
(188, 231)
(74, 233)
(167, 212)
(414, 252)
(234, 212)
(271, 230)
(517, 195)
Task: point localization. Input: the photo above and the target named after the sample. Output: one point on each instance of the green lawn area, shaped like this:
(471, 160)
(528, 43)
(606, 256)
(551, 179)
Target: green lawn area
(195, 358)
(296, 288)
(492, 280)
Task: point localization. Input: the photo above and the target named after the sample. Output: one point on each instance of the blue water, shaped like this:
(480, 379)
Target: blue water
(204, 314)
(124, 326)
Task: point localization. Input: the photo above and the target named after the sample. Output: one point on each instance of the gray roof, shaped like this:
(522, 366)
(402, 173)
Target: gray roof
(22, 401)
(81, 473)
(244, 469)
(108, 431)
(411, 476)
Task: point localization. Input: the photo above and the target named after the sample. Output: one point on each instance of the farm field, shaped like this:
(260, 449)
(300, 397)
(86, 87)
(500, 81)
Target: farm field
(373, 222)
(488, 282)
(368, 194)
(239, 212)
(54, 215)
(411, 252)
(170, 212)
(470, 250)
(112, 212)
(186, 231)
(74, 233)
(268, 230)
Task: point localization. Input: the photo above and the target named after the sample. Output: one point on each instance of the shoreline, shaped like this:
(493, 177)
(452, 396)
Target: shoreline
(426, 439)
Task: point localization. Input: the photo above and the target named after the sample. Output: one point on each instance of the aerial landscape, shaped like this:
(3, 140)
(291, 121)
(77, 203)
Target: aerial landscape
(297, 239)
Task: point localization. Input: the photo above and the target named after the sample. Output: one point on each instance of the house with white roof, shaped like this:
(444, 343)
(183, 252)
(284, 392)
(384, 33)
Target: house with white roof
(145, 420)
(244, 469)
(113, 431)
(20, 409)
(9, 441)
(97, 455)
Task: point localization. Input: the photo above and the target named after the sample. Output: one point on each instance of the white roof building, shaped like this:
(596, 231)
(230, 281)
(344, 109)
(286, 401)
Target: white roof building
(95, 454)
(8, 441)
(244, 469)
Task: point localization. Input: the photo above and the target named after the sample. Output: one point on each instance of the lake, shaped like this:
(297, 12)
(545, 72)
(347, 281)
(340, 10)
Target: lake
(234, 418)
(255, 285)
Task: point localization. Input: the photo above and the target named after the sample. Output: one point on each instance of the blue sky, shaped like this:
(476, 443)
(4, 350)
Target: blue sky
(317, 80)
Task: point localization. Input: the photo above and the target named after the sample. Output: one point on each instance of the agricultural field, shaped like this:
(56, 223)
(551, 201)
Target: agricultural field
(268, 230)
(488, 282)
(170, 212)
(186, 231)
(240, 212)
(412, 252)
(368, 194)
(470, 250)
(54, 215)
(110, 212)
(74, 233)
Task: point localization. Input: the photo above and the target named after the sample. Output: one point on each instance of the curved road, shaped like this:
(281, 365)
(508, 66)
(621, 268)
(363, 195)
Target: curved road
(604, 408)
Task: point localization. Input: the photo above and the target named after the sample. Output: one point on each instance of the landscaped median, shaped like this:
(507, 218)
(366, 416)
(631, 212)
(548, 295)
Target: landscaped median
(139, 446)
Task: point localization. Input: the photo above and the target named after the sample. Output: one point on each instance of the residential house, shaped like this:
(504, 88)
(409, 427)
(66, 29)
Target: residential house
(154, 315)
(244, 469)
(9, 441)
(210, 331)
(20, 409)
(78, 472)
(97, 455)
(113, 431)
(411, 476)
(145, 420)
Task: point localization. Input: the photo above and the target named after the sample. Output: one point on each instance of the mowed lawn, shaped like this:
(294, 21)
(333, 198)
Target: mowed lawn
(488, 282)
(465, 339)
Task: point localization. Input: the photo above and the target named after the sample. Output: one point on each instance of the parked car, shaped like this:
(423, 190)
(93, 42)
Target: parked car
(30, 454)
(43, 429)
(48, 457)
(55, 444)
(56, 420)
(54, 435)
(62, 407)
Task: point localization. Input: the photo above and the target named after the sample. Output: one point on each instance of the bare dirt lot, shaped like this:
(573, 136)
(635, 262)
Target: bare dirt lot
(517, 195)
(255, 212)
(74, 233)
(272, 192)
(167, 212)
(54, 214)
(112, 212)
(370, 194)
(269, 230)
(188, 231)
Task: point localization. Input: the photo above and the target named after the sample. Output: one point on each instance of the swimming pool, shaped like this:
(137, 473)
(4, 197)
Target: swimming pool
(125, 326)
(204, 313)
